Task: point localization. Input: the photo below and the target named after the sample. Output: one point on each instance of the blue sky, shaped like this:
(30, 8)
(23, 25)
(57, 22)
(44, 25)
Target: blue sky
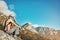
(41, 12)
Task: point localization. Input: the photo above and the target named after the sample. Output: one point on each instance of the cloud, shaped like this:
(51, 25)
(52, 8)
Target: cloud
(35, 25)
(4, 9)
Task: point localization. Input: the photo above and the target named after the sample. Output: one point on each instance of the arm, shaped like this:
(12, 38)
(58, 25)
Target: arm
(14, 23)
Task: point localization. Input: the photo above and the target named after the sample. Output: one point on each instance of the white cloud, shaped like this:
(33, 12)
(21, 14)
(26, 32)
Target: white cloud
(35, 25)
(4, 9)
(41, 25)
(3, 6)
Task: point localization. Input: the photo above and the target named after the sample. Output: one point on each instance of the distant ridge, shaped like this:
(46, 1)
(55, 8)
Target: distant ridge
(44, 31)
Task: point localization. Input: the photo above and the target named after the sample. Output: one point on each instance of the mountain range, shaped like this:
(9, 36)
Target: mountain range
(29, 32)
(50, 33)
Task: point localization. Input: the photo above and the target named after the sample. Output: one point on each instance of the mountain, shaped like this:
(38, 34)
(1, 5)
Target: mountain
(29, 27)
(44, 31)
(29, 35)
(49, 32)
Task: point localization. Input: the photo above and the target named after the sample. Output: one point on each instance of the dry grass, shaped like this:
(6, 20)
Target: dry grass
(28, 35)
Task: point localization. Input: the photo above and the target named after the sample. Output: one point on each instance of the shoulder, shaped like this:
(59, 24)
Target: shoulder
(11, 20)
(8, 20)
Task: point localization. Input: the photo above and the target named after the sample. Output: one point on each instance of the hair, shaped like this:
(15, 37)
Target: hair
(9, 16)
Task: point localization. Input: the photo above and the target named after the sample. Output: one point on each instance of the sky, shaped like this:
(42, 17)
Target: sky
(38, 12)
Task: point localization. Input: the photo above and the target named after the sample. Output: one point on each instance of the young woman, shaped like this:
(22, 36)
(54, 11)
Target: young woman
(8, 26)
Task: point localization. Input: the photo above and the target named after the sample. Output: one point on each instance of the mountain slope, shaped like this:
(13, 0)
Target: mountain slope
(24, 34)
(29, 27)
(28, 35)
(48, 32)
(45, 31)
(4, 36)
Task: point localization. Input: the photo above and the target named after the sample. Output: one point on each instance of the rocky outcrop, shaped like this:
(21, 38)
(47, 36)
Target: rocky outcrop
(46, 31)
(5, 36)
(29, 27)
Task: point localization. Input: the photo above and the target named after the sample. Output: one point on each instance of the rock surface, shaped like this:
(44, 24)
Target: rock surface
(4, 36)
(29, 27)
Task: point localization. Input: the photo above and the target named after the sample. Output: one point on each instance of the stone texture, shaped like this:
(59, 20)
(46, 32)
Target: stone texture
(4, 36)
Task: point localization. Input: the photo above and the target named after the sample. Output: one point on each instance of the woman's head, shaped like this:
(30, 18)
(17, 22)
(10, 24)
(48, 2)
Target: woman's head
(10, 16)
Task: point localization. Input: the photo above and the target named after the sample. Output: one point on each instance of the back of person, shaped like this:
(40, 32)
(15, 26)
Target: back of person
(2, 21)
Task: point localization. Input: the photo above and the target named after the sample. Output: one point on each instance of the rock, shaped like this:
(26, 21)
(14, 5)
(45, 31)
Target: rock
(5, 36)
(29, 27)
